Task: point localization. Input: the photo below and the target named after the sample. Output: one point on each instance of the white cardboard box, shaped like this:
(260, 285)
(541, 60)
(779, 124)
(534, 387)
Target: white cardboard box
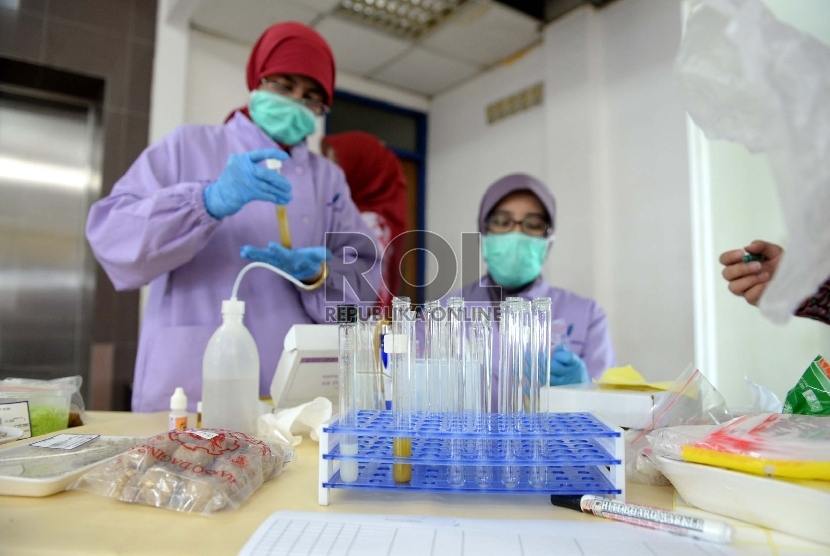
(624, 408)
(308, 366)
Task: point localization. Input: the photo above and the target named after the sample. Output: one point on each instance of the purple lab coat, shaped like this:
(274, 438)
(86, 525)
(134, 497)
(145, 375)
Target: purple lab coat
(153, 229)
(584, 320)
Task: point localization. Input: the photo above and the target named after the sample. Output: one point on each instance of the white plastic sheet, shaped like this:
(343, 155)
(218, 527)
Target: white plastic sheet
(746, 77)
(284, 424)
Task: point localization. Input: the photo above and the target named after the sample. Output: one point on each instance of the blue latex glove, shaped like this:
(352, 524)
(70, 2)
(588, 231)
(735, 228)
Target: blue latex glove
(244, 180)
(302, 263)
(566, 367)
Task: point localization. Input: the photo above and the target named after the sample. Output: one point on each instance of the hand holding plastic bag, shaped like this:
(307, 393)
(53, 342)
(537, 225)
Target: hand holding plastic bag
(746, 77)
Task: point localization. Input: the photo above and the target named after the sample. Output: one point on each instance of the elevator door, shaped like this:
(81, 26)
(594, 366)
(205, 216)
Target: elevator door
(49, 175)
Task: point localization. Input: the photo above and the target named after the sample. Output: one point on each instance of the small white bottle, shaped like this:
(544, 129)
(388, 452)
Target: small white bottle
(177, 418)
(230, 374)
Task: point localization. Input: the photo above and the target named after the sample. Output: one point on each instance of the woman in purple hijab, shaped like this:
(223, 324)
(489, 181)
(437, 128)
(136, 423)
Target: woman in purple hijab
(517, 220)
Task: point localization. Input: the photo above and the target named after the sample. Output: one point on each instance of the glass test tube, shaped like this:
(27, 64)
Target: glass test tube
(480, 368)
(522, 362)
(542, 320)
(457, 340)
(431, 358)
(540, 344)
(369, 378)
(508, 401)
(282, 212)
(397, 345)
(347, 364)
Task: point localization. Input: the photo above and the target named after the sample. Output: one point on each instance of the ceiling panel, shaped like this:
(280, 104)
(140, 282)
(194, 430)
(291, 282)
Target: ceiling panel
(485, 34)
(359, 49)
(424, 72)
(480, 36)
(246, 21)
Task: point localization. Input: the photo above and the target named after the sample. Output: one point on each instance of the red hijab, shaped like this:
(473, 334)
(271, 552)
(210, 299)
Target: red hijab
(377, 184)
(291, 48)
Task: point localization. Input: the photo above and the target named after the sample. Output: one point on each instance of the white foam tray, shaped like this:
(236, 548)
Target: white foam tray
(11, 485)
(10, 434)
(784, 506)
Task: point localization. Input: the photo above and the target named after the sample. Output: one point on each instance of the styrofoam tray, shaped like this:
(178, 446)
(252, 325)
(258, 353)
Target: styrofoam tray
(9, 434)
(18, 461)
(785, 506)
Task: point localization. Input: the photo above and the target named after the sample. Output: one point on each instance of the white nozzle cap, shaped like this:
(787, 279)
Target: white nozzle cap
(178, 400)
(233, 307)
(198, 407)
(273, 164)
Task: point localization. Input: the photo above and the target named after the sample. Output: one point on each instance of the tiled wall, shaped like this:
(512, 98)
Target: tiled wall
(113, 40)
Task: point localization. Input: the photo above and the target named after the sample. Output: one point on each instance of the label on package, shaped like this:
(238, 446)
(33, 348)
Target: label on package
(16, 415)
(207, 435)
(65, 441)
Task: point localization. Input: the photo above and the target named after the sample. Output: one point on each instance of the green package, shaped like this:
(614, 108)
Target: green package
(811, 395)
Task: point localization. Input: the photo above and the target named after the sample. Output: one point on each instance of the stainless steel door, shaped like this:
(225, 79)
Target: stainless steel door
(49, 175)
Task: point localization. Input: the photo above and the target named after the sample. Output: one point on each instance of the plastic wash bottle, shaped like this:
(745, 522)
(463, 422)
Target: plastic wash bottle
(230, 374)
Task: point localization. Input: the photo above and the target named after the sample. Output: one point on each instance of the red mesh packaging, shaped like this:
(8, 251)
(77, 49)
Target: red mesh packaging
(197, 470)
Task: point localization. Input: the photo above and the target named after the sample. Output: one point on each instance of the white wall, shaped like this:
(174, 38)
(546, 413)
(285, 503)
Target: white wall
(610, 140)
(465, 154)
(641, 221)
(744, 206)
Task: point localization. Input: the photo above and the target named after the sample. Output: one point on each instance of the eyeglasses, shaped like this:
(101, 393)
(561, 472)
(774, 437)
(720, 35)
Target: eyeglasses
(316, 106)
(501, 222)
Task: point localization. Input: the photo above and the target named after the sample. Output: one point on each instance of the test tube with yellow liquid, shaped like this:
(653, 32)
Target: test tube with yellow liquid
(398, 345)
(282, 213)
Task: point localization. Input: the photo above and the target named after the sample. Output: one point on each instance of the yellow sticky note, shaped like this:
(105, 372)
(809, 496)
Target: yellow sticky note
(628, 378)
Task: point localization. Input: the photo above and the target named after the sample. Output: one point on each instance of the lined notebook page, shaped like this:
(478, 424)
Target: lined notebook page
(288, 533)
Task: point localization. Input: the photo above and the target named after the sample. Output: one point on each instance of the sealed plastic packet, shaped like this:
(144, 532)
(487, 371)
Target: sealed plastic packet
(196, 470)
(773, 444)
(811, 394)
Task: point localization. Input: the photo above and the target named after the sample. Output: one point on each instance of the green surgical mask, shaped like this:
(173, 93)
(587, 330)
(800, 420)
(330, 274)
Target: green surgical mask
(514, 259)
(285, 120)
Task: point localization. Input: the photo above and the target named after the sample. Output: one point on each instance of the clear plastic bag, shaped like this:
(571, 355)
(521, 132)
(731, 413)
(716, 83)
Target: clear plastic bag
(691, 400)
(775, 444)
(77, 413)
(763, 399)
(746, 77)
(196, 470)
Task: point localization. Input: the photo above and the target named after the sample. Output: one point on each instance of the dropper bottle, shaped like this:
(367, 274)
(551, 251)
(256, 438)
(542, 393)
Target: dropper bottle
(177, 418)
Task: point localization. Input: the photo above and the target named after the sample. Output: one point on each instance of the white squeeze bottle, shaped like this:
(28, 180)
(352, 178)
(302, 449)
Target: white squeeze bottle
(230, 374)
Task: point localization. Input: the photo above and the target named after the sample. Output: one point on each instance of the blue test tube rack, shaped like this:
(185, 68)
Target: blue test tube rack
(581, 453)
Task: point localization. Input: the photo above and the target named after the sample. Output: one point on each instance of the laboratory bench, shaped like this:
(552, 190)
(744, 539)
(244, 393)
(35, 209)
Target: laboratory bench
(75, 522)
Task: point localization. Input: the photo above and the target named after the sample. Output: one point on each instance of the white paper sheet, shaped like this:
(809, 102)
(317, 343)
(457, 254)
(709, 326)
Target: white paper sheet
(288, 533)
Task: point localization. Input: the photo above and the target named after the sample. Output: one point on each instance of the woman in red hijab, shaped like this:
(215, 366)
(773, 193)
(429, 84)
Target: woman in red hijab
(378, 188)
(202, 202)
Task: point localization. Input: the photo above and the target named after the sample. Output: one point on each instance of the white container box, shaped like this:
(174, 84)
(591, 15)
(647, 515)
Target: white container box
(629, 409)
